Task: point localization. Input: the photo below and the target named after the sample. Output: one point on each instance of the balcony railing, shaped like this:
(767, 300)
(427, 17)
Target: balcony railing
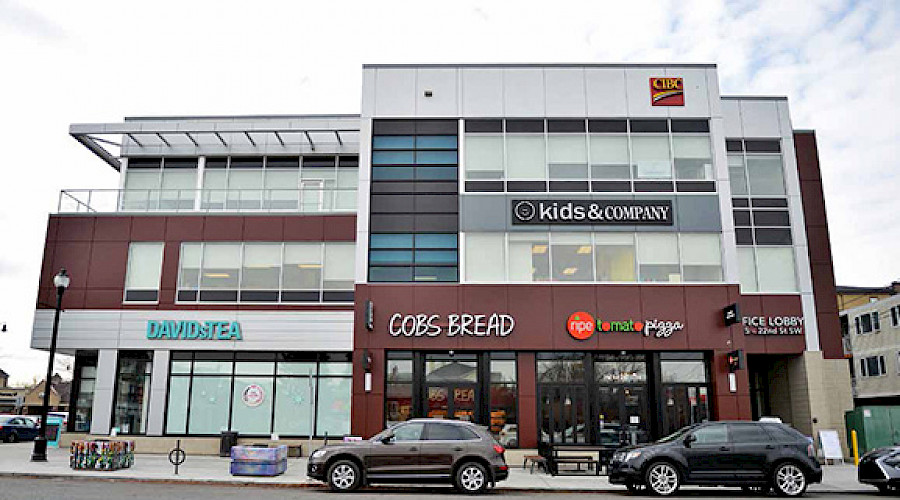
(316, 199)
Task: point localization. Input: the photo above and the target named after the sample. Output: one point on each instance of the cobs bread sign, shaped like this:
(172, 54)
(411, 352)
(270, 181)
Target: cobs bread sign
(667, 91)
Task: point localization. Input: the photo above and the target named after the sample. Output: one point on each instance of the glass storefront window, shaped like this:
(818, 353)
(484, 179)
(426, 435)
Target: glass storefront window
(294, 398)
(462, 368)
(503, 421)
(132, 392)
(683, 371)
(559, 368)
(333, 406)
(252, 405)
(614, 369)
(84, 400)
(248, 391)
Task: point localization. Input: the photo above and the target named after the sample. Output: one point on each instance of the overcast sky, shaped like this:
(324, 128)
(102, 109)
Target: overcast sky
(65, 62)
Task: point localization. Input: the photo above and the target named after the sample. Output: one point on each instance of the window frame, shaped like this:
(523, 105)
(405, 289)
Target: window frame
(126, 289)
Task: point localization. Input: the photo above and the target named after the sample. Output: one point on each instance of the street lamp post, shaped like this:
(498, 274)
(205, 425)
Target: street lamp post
(39, 454)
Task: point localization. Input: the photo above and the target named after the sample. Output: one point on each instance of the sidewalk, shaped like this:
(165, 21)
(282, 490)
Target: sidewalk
(15, 461)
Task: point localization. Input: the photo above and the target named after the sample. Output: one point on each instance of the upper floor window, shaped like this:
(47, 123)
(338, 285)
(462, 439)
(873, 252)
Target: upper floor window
(755, 167)
(872, 366)
(767, 269)
(578, 155)
(160, 184)
(895, 316)
(143, 273)
(592, 257)
(867, 323)
(292, 272)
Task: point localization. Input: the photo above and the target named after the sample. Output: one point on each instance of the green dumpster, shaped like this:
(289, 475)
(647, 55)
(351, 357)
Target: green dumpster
(875, 426)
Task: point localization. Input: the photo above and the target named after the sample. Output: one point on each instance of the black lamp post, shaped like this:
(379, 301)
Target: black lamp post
(61, 281)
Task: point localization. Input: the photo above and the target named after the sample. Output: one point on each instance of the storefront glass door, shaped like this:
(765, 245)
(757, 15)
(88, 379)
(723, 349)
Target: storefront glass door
(622, 416)
(453, 401)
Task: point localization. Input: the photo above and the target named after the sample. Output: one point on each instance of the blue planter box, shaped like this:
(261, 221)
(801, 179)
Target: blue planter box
(253, 461)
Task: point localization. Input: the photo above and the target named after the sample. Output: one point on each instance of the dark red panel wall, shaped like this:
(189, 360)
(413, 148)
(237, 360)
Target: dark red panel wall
(821, 265)
(541, 313)
(94, 250)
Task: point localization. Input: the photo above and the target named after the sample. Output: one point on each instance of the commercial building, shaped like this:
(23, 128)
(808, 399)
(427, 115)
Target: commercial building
(566, 253)
(872, 339)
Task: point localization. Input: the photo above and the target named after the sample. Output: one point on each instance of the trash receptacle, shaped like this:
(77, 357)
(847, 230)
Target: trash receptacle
(229, 439)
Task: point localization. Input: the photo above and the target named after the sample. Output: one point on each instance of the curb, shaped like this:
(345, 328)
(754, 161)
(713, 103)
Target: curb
(241, 483)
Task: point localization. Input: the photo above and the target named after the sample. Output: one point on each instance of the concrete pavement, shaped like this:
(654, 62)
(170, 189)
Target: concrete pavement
(15, 461)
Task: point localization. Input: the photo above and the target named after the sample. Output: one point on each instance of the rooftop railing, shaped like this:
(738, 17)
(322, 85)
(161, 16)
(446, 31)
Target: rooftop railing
(303, 200)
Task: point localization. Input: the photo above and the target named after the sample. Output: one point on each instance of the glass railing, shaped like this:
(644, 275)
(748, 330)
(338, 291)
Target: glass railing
(304, 200)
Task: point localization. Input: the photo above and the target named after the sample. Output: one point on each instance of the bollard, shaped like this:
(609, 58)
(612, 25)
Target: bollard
(177, 456)
(855, 444)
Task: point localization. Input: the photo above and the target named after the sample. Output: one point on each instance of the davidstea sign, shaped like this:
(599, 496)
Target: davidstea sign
(194, 330)
(598, 212)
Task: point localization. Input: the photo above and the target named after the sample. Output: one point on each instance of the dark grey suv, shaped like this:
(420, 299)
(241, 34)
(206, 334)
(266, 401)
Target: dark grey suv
(753, 455)
(417, 451)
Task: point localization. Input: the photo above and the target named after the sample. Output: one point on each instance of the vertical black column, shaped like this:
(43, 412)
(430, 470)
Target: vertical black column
(655, 395)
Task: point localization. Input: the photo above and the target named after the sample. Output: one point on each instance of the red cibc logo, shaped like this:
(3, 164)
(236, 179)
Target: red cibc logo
(666, 91)
(581, 325)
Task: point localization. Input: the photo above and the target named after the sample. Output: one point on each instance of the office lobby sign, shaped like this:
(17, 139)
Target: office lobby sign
(581, 326)
(464, 324)
(773, 325)
(611, 212)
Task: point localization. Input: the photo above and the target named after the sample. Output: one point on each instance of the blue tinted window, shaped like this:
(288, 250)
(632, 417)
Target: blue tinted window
(390, 274)
(392, 158)
(390, 257)
(391, 241)
(436, 274)
(436, 240)
(436, 173)
(436, 142)
(393, 142)
(392, 173)
(436, 257)
(436, 157)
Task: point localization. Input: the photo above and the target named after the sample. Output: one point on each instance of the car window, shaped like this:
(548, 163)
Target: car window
(781, 433)
(711, 434)
(409, 432)
(447, 432)
(16, 421)
(748, 433)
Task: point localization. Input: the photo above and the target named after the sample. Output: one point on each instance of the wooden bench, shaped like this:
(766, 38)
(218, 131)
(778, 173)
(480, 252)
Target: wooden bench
(538, 460)
(578, 460)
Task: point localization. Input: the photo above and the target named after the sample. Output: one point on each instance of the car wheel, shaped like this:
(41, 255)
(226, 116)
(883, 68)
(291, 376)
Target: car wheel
(662, 479)
(789, 480)
(344, 475)
(471, 478)
(13, 438)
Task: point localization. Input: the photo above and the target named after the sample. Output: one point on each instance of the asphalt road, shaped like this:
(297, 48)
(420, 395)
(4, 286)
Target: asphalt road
(79, 489)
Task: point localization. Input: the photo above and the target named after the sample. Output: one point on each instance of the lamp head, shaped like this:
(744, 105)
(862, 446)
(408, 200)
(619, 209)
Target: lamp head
(61, 280)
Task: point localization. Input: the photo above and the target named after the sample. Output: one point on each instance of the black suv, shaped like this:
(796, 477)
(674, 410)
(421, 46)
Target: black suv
(754, 455)
(417, 451)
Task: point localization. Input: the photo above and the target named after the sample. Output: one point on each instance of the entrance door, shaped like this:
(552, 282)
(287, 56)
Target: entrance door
(452, 401)
(622, 416)
(684, 405)
(563, 414)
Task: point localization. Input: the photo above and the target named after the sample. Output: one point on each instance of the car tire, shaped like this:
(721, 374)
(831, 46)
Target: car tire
(13, 437)
(789, 480)
(471, 478)
(662, 478)
(344, 475)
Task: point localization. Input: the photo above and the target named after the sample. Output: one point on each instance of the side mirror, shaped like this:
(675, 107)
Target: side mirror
(388, 438)
(690, 438)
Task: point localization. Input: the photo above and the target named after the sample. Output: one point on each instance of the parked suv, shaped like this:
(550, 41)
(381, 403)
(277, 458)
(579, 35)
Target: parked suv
(417, 451)
(754, 455)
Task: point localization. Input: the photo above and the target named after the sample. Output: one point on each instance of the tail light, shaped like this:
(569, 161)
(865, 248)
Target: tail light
(499, 449)
(811, 451)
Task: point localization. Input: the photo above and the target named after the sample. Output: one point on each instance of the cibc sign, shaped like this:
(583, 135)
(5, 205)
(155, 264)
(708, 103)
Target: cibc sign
(465, 324)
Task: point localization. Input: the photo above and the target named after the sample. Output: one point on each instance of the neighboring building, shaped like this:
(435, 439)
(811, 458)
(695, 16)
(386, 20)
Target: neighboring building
(33, 398)
(855, 296)
(4, 378)
(546, 250)
(11, 399)
(872, 340)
